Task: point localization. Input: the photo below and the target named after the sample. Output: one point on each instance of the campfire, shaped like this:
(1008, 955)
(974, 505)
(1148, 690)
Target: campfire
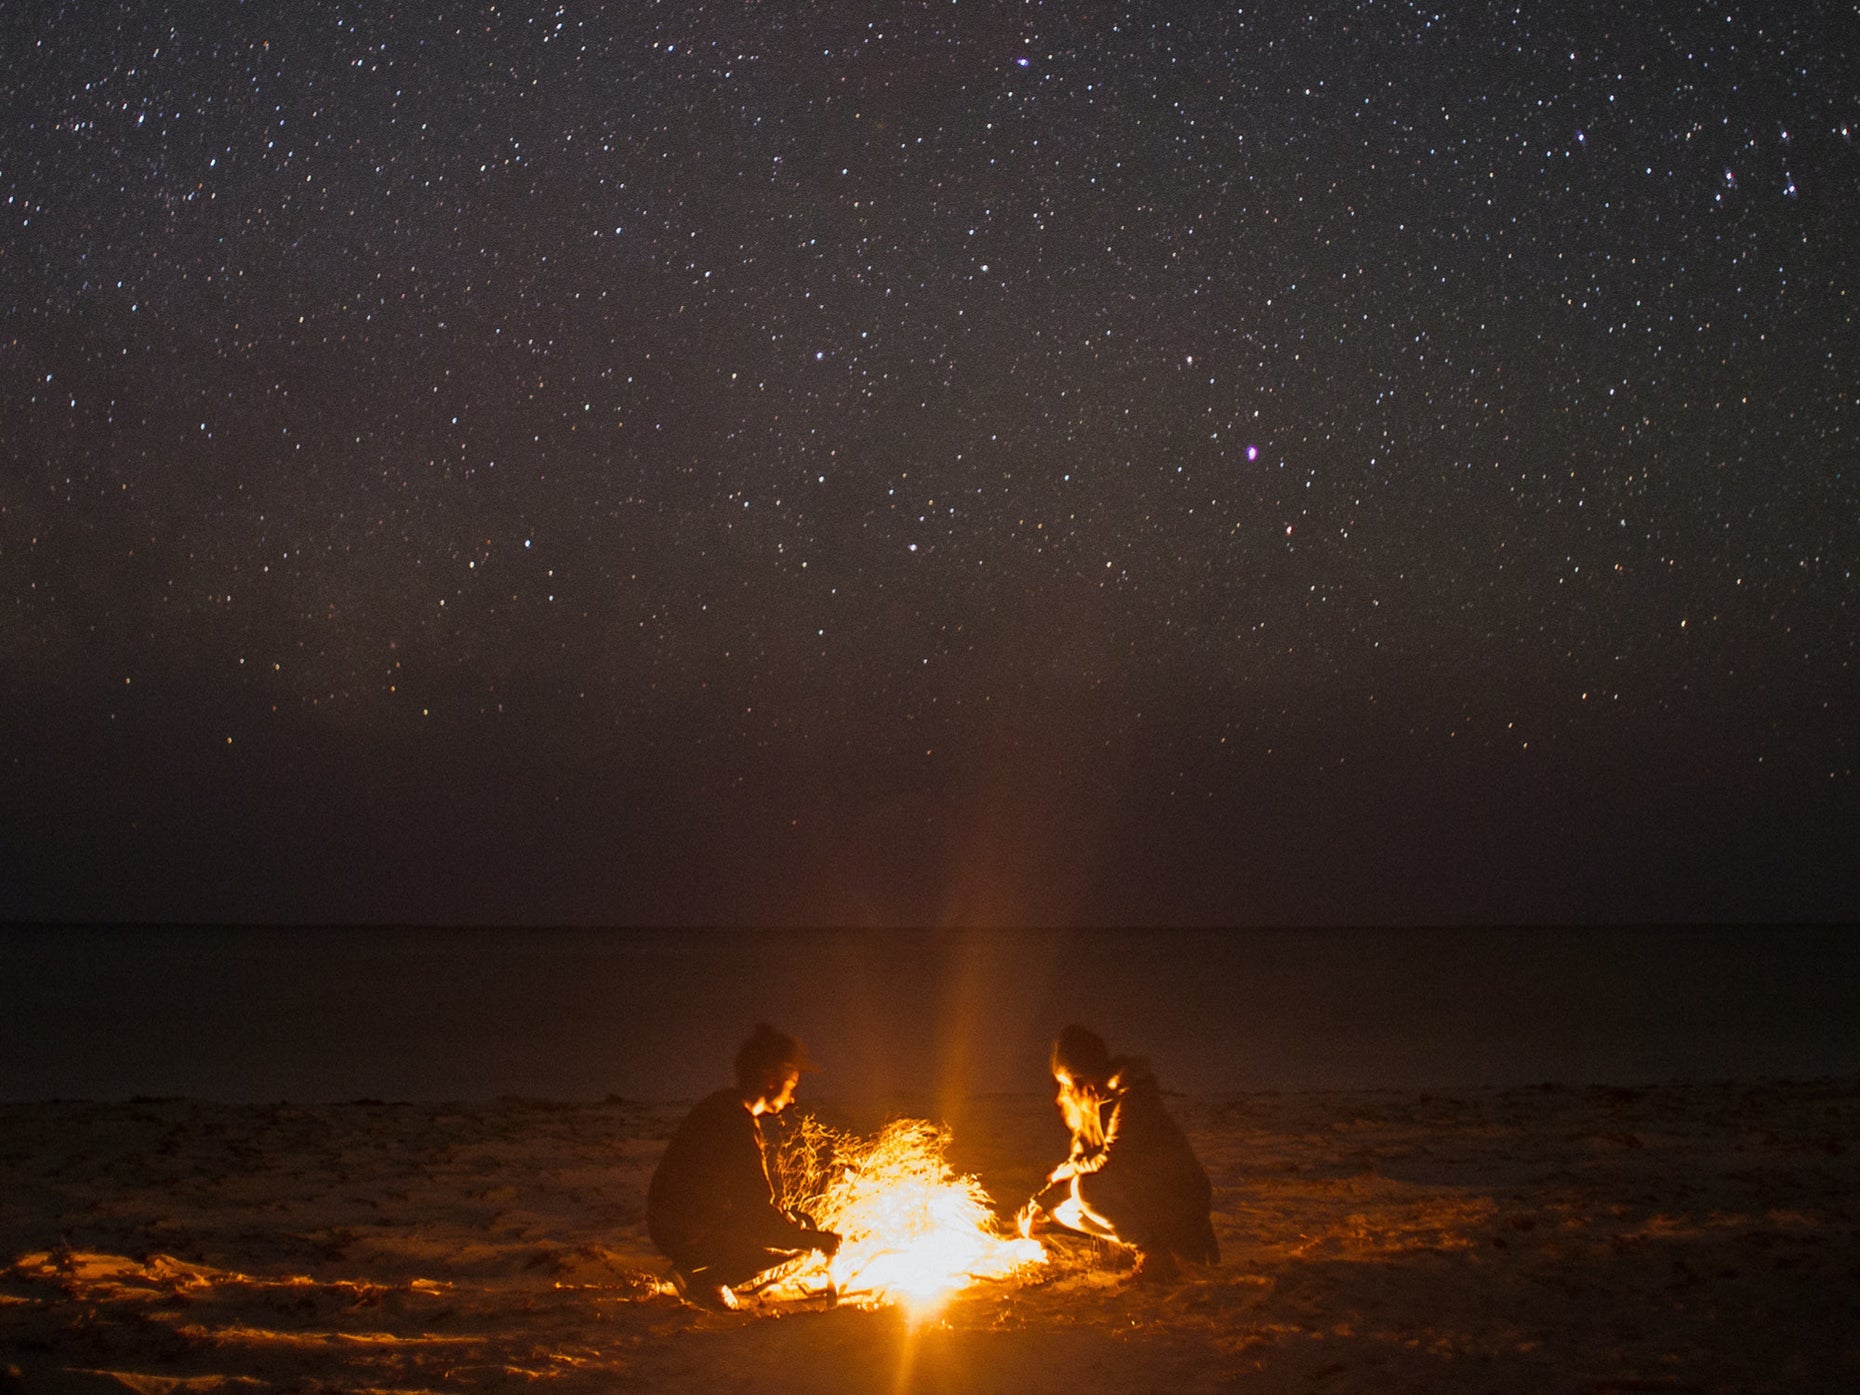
(914, 1232)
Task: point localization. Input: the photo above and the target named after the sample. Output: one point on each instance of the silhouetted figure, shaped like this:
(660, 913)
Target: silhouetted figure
(1132, 1176)
(711, 1208)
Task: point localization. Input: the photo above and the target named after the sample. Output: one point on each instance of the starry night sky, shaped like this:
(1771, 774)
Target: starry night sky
(929, 463)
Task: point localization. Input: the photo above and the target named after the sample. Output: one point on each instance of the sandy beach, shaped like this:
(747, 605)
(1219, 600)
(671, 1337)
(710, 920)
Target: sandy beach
(1682, 1237)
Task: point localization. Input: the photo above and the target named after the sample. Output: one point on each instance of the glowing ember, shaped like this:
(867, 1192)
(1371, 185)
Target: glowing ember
(914, 1232)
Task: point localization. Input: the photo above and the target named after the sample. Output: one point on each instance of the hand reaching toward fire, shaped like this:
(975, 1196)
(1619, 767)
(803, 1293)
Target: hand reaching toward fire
(825, 1241)
(1041, 1205)
(812, 1236)
(1082, 1161)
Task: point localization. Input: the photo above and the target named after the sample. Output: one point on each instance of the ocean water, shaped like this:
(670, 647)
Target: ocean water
(259, 1014)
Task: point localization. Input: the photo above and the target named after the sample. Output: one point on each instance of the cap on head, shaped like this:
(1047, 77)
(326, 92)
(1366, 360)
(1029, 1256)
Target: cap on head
(1081, 1054)
(768, 1058)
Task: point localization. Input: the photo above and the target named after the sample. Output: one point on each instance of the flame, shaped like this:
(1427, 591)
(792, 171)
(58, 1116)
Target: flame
(913, 1232)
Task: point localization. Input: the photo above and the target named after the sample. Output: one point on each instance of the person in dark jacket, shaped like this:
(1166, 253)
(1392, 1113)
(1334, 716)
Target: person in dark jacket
(1131, 1175)
(711, 1208)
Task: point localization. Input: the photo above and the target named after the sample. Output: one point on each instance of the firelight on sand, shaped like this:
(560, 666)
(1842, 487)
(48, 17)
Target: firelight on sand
(913, 1231)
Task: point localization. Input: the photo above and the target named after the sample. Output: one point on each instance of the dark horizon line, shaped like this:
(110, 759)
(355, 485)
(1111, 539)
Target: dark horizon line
(1085, 928)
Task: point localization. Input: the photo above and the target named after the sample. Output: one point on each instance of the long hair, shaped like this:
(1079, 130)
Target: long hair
(1082, 1065)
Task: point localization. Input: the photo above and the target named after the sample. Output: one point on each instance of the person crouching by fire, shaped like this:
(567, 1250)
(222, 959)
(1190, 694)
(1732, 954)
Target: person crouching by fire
(711, 1208)
(1132, 1176)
